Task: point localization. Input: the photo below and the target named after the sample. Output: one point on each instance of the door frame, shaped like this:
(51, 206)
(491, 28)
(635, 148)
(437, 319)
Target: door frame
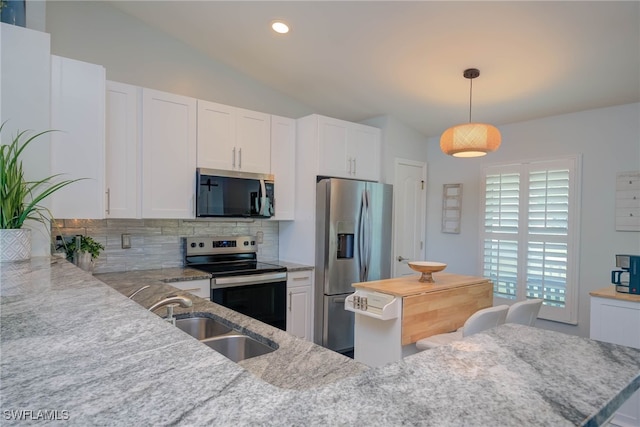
(398, 162)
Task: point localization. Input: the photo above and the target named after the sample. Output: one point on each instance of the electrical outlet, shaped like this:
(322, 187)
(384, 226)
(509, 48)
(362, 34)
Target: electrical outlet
(126, 241)
(259, 237)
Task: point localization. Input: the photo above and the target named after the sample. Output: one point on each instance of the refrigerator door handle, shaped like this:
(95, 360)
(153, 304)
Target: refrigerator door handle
(368, 237)
(361, 238)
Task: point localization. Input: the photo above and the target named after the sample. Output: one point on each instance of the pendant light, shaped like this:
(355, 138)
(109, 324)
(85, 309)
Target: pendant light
(470, 139)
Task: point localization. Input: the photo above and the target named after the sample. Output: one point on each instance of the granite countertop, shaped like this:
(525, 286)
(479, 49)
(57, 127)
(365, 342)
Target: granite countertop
(296, 364)
(74, 345)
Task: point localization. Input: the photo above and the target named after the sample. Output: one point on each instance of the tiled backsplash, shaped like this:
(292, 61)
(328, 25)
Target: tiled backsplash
(157, 243)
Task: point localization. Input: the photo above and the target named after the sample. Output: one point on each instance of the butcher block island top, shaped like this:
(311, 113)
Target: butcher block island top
(408, 285)
(434, 308)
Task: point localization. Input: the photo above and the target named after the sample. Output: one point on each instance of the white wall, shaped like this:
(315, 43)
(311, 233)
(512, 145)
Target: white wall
(135, 53)
(608, 139)
(398, 141)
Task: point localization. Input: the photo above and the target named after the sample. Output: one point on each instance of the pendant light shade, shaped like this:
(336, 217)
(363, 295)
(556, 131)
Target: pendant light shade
(470, 139)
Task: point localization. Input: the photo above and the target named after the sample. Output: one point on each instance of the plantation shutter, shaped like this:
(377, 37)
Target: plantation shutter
(529, 232)
(501, 217)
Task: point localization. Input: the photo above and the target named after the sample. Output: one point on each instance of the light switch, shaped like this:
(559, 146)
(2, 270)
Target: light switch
(260, 237)
(126, 241)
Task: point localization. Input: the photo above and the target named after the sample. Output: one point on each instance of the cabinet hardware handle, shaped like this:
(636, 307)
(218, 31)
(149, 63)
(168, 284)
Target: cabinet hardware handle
(401, 258)
(108, 201)
(240, 158)
(301, 278)
(354, 165)
(290, 301)
(233, 163)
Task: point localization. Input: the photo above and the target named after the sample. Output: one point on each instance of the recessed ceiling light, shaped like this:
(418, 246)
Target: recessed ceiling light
(280, 27)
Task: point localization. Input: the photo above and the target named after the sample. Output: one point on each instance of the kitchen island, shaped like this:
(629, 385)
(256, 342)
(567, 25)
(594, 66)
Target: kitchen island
(412, 310)
(75, 349)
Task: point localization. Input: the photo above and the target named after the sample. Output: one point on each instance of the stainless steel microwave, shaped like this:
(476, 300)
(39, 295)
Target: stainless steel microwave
(221, 193)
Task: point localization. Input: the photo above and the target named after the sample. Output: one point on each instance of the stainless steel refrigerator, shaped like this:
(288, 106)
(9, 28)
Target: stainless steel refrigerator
(353, 244)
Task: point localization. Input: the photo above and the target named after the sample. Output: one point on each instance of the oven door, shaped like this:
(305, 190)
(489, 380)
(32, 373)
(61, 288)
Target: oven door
(261, 296)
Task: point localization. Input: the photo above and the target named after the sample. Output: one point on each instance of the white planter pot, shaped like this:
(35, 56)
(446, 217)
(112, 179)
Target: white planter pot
(83, 260)
(15, 244)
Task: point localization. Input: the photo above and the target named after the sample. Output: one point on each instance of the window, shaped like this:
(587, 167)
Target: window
(529, 234)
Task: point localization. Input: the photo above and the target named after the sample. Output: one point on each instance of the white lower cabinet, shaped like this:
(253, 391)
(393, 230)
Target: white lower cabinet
(299, 300)
(617, 320)
(200, 288)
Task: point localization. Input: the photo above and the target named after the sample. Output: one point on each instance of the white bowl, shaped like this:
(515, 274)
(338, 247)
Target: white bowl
(426, 268)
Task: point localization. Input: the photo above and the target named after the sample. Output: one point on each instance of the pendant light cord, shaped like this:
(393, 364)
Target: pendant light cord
(470, 93)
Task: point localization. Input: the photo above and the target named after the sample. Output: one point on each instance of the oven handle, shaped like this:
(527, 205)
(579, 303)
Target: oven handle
(254, 279)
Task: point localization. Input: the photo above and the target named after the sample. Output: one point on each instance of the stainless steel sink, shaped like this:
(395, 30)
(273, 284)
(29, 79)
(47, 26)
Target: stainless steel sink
(237, 347)
(202, 327)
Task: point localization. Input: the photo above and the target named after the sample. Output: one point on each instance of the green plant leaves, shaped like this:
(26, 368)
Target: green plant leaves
(20, 199)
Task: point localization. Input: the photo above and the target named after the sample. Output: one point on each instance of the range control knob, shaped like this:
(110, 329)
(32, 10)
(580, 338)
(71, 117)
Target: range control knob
(193, 244)
(201, 244)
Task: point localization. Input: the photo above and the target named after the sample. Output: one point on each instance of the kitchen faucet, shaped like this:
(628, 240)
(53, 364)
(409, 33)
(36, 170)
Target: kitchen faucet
(137, 291)
(170, 302)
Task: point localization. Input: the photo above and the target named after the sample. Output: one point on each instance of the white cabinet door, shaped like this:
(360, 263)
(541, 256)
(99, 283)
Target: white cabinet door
(168, 155)
(283, 166)
(333, 149)
(364, 152)
(348, 150)
(253, 140)
(618, 322)
(199, 288)
(78, 148)
(232, 138)
(122, 146)
(216, 136)
(299, 300)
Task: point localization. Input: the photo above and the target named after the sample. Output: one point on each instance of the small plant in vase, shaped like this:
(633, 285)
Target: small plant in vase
(83, 251)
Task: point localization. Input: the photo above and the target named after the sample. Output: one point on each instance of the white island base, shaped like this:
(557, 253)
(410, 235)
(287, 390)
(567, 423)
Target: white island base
(378, 342)
(392, 314)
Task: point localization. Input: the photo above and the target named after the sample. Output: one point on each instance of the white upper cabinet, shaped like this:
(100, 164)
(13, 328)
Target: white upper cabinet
(78, 147)
(348, 150)
(216, 136)
(168, 155)
(233, 138)
(363, 155)
(253, 140)
(122, 146)
(283, 166)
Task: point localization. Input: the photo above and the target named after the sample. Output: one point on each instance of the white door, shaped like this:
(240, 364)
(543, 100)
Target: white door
(410, 200)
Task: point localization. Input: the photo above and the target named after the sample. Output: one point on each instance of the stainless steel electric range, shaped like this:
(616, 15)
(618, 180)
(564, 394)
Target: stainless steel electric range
(238, 280)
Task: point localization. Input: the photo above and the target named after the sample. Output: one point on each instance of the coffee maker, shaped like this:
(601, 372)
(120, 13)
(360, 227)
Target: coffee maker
(627, 279)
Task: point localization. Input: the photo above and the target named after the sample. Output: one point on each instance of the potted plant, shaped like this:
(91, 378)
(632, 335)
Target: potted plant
(20, 199)
(83, 251)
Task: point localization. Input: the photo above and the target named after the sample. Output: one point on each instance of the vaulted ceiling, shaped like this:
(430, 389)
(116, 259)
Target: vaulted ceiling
(360, 59)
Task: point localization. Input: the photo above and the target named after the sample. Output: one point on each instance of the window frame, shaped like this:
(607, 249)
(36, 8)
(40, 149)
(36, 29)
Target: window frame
(568, 313)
